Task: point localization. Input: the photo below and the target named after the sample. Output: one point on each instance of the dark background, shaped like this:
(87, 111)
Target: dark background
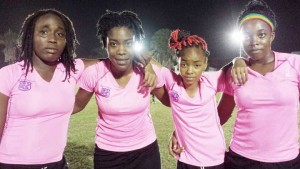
(211, 19)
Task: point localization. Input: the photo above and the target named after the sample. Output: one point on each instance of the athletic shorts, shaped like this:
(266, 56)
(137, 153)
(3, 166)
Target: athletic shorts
(181, 165)
(144, 158)
(236, 161)
(62, 164)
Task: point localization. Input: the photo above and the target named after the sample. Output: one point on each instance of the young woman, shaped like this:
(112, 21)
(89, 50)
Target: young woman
(266, 128)
(125, 135)
(34, 111)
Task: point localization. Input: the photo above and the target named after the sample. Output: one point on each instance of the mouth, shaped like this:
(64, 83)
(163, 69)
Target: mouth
(189, 78)
(51, 50)
(122, 61)
(254, 50)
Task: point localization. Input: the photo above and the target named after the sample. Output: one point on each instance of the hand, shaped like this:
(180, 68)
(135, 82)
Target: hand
(150, 79)
(239, 71)
(174, 148)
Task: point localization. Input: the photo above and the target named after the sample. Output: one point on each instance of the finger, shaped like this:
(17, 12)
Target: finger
(171, 149)
(234, 77)
(239, 76)
(178, 150)
(246, 74)
(146, 80)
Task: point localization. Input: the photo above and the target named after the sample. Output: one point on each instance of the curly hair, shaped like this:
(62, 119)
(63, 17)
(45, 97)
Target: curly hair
(259, 7)
(112, 19)
(180, 39)
(25, 41)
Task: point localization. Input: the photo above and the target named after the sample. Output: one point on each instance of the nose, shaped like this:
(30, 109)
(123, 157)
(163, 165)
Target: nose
(52, 38)
(189, 70)
(254, 40)
(122, 50)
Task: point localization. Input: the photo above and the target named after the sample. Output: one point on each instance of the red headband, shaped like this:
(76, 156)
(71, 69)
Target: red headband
(188, 41)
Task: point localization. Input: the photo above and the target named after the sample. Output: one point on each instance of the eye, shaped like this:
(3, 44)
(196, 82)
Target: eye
(246, 37)
(61, 34)
(43, 32)
(198, 65)
(113, 44)
(183, 65)
(262, 35)
(129, 44)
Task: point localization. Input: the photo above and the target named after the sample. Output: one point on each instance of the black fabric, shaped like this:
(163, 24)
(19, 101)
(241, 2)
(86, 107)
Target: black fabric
(144, 158)
(62, 164)
(181, 165)
(236, 161)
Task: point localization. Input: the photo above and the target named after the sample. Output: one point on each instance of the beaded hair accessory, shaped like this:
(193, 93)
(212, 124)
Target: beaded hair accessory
(261, 17)
(177, 44)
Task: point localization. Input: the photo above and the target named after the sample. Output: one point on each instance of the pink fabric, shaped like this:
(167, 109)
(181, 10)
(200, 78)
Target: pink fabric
(38, 114)
(196, 119)
(124, 122)
(266, 128)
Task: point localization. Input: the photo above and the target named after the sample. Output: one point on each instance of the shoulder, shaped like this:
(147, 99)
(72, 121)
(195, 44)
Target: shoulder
(15, 68)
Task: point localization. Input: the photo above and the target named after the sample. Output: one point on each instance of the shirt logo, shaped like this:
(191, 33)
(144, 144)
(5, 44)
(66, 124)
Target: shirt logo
(24, 85)
(105, 92)
(174, 95)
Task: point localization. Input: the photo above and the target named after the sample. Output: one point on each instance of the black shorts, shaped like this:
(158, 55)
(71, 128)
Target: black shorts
(181, 165)
(144, 158)
(62, 164)
(236, 161)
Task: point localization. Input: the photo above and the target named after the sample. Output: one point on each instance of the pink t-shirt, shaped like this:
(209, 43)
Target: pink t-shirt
(266, 127)
(38, 114)
(124, 121)
(196, 119)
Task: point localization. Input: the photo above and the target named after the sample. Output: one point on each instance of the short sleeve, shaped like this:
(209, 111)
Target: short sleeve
(169, 77)
(89, 77)
(8, 78)
(216, 80)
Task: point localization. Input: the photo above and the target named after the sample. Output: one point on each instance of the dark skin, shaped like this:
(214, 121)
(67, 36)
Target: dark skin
(49, 41)
(257, 45)
(120, 42)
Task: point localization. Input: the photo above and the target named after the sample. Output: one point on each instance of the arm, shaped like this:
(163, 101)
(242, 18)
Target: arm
(82, 99)
(150, 76)
(162, 95)
(225, 107)
(174, 148)
(3, 112)
(89, 62)
(239, 72)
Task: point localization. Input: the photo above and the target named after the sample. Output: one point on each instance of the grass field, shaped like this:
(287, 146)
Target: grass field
(79, 151)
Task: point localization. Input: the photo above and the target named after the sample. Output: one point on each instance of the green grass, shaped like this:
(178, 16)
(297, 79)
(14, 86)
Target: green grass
(79, 151)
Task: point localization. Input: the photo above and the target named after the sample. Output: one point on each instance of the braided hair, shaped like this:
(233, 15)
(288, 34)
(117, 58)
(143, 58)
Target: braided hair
(180, 39)
(259, 7)
(25, 41)
(112, 19)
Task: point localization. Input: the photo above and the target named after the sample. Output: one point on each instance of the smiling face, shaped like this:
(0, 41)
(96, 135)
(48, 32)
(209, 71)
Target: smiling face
(120, 48)
(49, 39)
(258, 38)
(192, 63)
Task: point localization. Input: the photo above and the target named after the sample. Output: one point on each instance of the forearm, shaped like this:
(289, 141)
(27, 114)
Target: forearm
(225, 107)
(82, 99)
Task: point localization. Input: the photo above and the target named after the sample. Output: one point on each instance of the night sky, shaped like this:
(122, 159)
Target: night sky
(211, 19)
